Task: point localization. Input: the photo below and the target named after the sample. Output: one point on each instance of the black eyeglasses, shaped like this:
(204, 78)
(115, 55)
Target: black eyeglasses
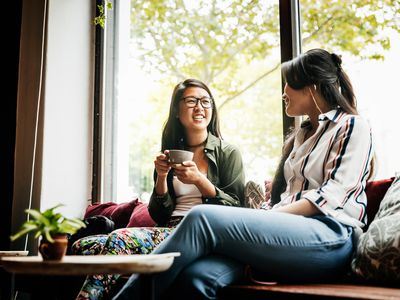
(191, 101)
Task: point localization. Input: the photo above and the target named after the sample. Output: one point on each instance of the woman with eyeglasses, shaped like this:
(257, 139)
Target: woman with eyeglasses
(318, 197)
(214, 176)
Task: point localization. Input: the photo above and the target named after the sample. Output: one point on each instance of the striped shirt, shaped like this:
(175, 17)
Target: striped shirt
(331, 168)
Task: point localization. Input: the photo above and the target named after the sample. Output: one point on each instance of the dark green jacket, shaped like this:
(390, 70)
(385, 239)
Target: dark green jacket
(225, 171)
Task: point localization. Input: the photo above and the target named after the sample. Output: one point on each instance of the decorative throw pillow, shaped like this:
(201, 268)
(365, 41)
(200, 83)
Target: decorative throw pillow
(141, 217)
(391, 202)
(375, 191)
(254, 195)
(104, 209)
(377, 256)
(122, 213)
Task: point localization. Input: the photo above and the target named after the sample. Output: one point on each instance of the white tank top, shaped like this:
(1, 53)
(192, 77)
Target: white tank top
(187, 196)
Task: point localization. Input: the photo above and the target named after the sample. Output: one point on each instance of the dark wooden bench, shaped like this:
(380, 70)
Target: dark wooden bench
(309, 291)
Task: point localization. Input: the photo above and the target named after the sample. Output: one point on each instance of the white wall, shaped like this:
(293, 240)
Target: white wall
(68, 94)
(63, 164)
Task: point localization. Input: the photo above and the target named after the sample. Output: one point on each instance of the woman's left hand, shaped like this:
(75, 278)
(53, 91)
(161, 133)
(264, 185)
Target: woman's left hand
(187, 172)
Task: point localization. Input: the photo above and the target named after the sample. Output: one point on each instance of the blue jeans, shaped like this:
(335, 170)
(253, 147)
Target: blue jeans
(216, 242)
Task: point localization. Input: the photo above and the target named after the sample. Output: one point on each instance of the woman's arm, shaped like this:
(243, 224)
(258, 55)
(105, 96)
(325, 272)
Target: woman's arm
(188, 173)
(162, 168)
(229, 181)
(346, 168)
(161, 187)
(302, 207)
(226, 183)
(161, 204)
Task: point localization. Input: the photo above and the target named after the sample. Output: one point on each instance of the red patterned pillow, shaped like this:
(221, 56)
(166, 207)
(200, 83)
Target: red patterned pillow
(119, 213)
(122, 213)
(104, 209)
(141, 217)
(375, 191)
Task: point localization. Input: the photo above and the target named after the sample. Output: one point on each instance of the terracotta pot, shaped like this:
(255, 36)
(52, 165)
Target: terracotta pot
(56, 250)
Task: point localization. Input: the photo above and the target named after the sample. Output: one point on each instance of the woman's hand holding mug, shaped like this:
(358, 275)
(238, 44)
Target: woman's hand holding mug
(162, 165)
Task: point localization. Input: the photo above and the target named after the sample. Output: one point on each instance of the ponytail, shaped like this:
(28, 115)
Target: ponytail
(349, 103)
(323, 69)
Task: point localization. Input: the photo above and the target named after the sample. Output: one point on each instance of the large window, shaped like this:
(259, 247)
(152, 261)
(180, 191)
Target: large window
(233, 46)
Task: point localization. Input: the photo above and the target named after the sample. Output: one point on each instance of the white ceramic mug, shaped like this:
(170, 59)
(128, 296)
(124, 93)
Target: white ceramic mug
(178, 156)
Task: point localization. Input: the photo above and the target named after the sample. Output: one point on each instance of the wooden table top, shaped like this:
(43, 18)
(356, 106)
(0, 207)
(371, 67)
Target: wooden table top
(13, 253)
(90, 264)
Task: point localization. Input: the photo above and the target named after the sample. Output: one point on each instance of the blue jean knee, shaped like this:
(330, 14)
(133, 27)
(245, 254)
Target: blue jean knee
(203, 278)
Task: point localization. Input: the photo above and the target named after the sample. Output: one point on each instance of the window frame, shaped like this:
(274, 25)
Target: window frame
(290, 46)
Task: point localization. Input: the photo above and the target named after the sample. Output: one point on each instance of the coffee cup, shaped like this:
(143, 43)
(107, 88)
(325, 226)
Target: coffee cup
(178, 156)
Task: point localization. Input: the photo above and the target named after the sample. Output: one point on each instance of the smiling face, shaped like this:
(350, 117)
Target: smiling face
(297, 102)
(196, 118)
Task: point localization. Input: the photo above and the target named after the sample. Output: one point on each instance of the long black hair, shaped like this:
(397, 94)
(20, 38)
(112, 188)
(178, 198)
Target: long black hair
(173, 135)
(324, 70)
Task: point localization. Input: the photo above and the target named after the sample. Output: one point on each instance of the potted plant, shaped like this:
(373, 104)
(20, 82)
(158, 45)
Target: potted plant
(53, 228)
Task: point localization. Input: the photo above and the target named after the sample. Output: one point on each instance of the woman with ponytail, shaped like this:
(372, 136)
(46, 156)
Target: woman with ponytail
(321, 71)
(318, 203)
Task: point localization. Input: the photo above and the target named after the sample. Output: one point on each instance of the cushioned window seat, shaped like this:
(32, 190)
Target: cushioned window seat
(365, 282)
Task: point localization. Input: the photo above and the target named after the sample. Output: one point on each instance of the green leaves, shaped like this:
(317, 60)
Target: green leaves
(48, 224)
(203, 39)
(213, 40)
(233, 46)
(101, 18)
(358, 27)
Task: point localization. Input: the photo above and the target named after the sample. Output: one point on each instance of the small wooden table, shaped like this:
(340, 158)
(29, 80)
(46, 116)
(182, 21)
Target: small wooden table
(6, 280)
(13, 253)
(90, 265)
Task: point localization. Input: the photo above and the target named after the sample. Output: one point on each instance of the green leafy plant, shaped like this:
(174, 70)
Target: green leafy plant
(48, 224)
(101, 18)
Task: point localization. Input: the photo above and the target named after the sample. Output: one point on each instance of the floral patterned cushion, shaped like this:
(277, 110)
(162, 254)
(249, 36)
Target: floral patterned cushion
(377, 256)
(391, 202)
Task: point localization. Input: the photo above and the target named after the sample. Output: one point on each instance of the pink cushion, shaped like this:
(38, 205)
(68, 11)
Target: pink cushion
(141, 217)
